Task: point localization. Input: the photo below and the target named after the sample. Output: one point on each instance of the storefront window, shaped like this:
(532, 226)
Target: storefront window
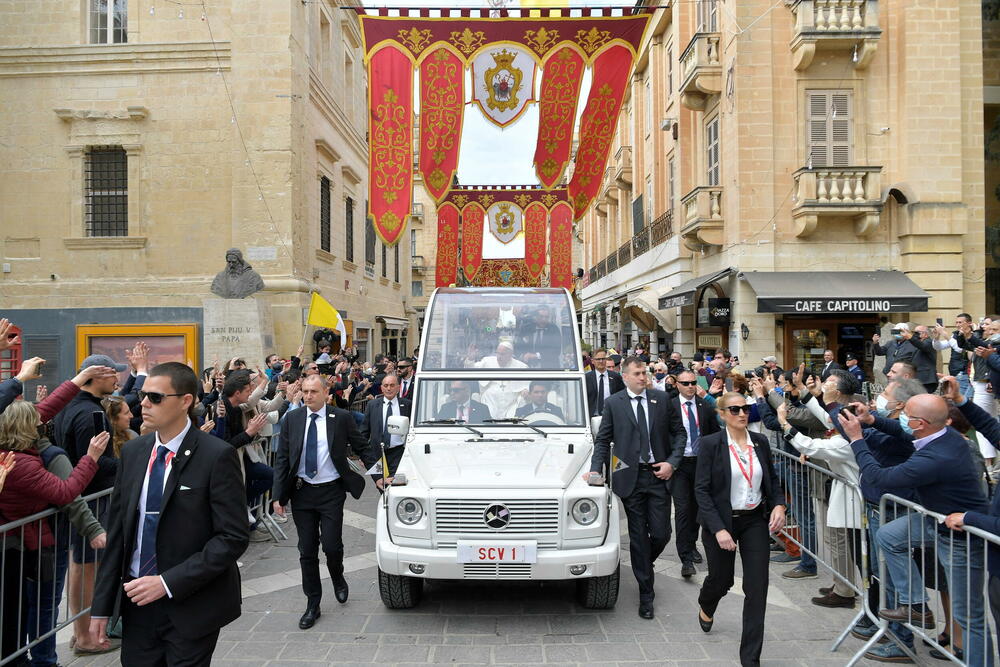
(808, 346)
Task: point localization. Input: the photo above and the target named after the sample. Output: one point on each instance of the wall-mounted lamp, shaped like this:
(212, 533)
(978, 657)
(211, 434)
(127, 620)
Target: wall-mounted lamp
(744, 331)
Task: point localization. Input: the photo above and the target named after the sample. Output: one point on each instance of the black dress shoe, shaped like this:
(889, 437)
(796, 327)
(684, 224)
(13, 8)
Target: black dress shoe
(646, 610)
(705, 625)
(340, 589)
(687, 569)
(309, 618)
(696, 556)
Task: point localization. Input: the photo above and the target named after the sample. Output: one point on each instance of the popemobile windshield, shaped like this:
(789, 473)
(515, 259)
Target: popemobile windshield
(491, 484)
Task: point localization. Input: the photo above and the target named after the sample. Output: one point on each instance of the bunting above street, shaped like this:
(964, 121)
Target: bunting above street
(504, 56)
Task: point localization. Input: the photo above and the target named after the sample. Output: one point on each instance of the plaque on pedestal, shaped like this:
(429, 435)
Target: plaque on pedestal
(238, 328)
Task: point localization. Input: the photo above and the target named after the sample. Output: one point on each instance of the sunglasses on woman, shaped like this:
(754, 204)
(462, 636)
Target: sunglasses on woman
(737, 409)
(154, 397)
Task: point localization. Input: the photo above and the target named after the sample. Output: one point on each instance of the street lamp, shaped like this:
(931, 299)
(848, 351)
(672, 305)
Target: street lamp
(744, 331)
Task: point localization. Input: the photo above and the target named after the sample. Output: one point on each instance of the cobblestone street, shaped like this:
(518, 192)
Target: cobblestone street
(500, 622)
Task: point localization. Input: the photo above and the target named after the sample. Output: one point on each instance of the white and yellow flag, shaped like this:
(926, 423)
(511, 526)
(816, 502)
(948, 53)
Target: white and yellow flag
(322, 314)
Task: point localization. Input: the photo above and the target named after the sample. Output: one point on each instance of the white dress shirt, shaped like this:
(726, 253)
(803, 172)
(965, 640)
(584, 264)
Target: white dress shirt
(394, 440)
(462, 411)
(607, 382)
(689, 447)
(173, 445)
(920, 443)
(326, 471)
(744, 496)
(635, 413)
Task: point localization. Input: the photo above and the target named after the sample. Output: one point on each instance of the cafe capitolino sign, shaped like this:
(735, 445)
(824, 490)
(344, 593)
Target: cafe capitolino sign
(852, 305)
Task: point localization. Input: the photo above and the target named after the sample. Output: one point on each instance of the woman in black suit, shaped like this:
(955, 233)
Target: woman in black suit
(739, 502)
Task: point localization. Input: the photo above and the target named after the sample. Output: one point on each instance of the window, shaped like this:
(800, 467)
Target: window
(370, 243)
(395, 263)
(708, 16)
(413, 243)
(108, 21)
(671, 185)
(324, 213)
(712, 151)
(106, 191)
(10, 359)
(829, 129)
(385, 257)
(670, 73)
(649, 202)
(347, 99)
(649, 107)
(417, 288)
(349, 228)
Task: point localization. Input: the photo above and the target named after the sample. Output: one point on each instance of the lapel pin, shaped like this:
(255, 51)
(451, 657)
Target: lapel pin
(653, 401)
(187, 452)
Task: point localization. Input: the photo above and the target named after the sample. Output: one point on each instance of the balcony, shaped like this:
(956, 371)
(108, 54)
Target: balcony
(649, 237)
(417, 212)
(703, 217)
(701, 70)
(849, 26)
(417, 263)
(623, 166)
(625, 254)
(837, 192)
(610, 189)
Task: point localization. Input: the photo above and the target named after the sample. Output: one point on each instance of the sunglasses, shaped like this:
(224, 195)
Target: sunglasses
(687, 383)
(737, 409)
(154, 397)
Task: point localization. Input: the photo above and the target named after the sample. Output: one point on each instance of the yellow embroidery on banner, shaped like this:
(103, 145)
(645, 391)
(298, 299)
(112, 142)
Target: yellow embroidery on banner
(486, 200)
(415, 40)
(592, 40)
(522, 200)
(467, 41)
(541, 40)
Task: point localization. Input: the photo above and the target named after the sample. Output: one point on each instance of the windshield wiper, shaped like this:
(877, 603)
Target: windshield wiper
(517, 420)
(460, 422)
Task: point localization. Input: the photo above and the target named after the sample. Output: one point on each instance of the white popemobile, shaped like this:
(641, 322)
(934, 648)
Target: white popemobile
(491, 482)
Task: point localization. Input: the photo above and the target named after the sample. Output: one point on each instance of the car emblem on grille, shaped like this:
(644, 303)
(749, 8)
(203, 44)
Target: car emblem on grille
(496, 516)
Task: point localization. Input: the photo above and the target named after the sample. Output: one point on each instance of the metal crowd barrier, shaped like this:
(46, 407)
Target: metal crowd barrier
(34, 586)
(950, 563)
(815, 493)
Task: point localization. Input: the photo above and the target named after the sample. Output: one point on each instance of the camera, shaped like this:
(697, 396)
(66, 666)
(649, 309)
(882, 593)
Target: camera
(896, 332)
(755, 373)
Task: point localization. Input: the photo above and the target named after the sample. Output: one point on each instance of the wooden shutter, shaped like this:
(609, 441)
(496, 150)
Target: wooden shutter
(829, 128)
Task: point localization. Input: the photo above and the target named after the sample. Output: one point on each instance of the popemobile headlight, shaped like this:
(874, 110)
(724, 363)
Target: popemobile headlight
(409, 511)
(586, 511)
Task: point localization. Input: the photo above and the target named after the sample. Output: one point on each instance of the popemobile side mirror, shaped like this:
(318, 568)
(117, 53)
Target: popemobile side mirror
(398, 426)
(595, 425)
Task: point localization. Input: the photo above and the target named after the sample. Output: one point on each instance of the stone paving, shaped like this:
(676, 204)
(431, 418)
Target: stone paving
(504, 623)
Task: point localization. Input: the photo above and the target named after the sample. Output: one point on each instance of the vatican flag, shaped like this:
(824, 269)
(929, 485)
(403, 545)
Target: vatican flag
(322, 314)
(617, 464)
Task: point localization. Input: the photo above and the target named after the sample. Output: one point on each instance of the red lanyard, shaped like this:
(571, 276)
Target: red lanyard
(748, 478)
(692, 415)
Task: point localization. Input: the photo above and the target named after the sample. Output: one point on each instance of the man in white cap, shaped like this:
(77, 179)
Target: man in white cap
(771, 364)
(501, 396)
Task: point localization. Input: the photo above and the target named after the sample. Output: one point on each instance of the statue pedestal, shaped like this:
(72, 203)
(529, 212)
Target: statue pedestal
(237, 328)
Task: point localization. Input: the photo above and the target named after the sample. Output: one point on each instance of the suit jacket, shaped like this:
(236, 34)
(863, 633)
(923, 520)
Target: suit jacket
(409, 394)
(667, 437)
(341, 433)
(714, 479)
(530, 409)
(549, 346)
(202, 530)
(901, 350)
(371, 426)
(478, 412)
(708, 419)
(614, 379)
(824, 372)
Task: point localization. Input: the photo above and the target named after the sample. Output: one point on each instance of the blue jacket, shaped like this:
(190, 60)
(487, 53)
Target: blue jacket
(942, 473)
(10, 389)
(857, 372)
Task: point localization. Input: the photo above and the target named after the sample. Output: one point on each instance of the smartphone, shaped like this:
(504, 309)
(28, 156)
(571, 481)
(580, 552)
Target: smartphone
(729, 384)
(848, 409)
(896, 332)
(99, 422)
(940, 322)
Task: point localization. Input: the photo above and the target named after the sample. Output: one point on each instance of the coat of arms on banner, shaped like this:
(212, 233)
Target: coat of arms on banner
(506, 221)
(504, 83)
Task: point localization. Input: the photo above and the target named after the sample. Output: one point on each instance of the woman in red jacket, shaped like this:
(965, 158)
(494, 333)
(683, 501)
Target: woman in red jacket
(28, 489)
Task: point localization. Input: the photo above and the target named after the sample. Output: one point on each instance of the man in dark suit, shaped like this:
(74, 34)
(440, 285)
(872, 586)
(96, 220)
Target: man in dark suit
(177, 524)
(649, 439)
(405, 370)
(312, 471)
(461, 407)
(374, 427)
(601, 382)
(829, 364)
(540, 344)
(698, 416)
(537, 394)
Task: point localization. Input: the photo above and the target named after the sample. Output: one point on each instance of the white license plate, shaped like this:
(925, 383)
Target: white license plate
(497, 552)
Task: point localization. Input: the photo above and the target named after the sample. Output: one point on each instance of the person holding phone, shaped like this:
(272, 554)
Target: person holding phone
(740, 501)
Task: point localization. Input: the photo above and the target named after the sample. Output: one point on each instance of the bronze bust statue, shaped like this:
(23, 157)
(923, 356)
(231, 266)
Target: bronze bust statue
(238, 280)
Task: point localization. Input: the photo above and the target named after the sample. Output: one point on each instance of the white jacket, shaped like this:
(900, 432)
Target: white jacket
(846, 504)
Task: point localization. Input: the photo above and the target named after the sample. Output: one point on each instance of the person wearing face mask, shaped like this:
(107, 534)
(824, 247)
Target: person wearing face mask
(942, 473)
(660, 378)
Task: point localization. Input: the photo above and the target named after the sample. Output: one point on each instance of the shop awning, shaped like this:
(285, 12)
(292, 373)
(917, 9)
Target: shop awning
(683, 294)
(392, 322)
(834, 292)
(645, 301)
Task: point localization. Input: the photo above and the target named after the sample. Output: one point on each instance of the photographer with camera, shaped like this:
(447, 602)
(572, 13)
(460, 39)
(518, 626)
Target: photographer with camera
(900, 348)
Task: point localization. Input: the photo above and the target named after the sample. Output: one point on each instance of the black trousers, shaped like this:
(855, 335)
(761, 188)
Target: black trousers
(318, 513)
(647, 509)
(685, 508)
(149, 639)
(750, 534)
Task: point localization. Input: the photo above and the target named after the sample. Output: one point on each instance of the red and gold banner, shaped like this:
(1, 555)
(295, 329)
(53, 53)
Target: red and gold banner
(504, 273)
(536, 219)
(446, 269)
(557, 113)
(561, 246)
(472, 239)
(390, 149)
(597, 125)
(442, 101)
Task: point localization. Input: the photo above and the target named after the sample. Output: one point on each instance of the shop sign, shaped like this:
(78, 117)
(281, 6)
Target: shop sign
(844, 305)
(719, 312)
(676, 301)
(709, 340)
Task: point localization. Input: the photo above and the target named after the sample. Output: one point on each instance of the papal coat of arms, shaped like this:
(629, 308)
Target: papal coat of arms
(506, 221)
(503, 81)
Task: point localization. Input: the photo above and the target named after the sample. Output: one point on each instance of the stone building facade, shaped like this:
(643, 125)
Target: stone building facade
(794, 177)
(143, 138)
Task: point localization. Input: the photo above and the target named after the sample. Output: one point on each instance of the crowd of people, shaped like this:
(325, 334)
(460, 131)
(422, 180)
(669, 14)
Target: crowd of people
(689, 438)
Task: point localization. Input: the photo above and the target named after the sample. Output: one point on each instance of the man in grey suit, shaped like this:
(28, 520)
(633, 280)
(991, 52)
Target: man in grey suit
(648, 439)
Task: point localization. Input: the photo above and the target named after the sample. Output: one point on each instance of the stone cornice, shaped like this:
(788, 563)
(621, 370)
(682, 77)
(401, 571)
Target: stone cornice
(97, 59)
(324, 102)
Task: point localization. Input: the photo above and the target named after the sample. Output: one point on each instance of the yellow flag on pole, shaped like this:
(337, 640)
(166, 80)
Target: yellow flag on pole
(322, 314)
